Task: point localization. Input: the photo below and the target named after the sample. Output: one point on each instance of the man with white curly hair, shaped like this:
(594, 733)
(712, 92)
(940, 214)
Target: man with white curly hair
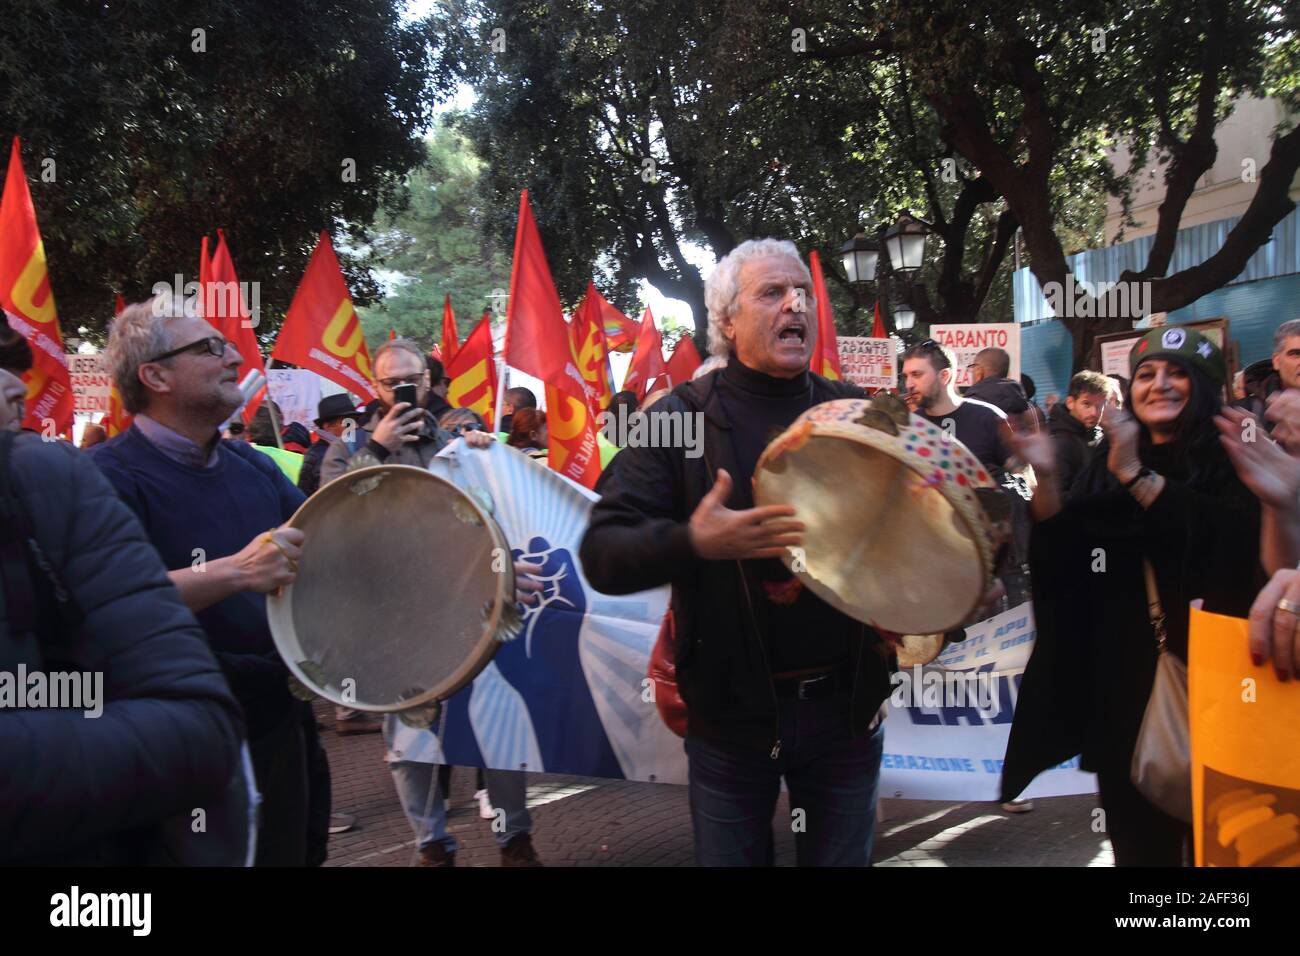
(777, 683)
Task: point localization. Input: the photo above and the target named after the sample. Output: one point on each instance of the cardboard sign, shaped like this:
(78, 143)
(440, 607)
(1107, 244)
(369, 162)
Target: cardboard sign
(868, 362)
(969, 339)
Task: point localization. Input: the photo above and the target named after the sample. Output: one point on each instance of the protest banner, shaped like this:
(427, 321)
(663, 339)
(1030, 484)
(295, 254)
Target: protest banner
(869, 362)
(966, 341)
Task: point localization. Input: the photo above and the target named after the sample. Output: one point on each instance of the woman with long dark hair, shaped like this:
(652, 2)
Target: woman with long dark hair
(1160, 490)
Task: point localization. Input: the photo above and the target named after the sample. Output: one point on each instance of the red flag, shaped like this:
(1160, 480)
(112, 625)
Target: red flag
(449, 342)
(620, 331)
(683, 362)
(28, 304)
(225, 309)
(590, 348)
(473, 373)
(392, 333)
(877, 325)
(826, 353)
(538, 342)
(648, 359)
(119, 305)
(321, 330)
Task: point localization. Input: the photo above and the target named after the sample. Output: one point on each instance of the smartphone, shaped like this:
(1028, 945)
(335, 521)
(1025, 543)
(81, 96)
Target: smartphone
(405, 393)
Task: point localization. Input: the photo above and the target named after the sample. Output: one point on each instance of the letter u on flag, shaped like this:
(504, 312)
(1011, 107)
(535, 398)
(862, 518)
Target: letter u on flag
(321, 330)
(826, 352)
(538, 342)
(473, 374)
(28, 304)
(590, 348)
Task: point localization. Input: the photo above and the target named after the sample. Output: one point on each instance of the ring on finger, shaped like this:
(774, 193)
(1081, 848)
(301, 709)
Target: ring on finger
(1289, 606)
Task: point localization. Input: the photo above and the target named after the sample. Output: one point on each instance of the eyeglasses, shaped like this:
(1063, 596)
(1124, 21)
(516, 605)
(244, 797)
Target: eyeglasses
(213, 345)
(392, 383)
(463, 427)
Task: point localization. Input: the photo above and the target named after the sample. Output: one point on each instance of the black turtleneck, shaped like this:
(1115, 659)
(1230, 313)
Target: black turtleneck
(801, 631)
(759, 407)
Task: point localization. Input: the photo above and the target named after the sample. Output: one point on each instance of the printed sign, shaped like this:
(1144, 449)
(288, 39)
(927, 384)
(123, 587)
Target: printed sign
(868, 362)
(91, 383)
(967, 340)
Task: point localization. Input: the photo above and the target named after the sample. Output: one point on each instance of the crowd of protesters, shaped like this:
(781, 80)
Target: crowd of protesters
(148, 556)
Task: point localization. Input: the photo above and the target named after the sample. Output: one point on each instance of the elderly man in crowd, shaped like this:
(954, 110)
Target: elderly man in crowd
(213, 511)
(777, 683)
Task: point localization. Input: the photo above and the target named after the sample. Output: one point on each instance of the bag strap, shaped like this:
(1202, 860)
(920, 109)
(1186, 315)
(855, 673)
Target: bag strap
(1154, 609)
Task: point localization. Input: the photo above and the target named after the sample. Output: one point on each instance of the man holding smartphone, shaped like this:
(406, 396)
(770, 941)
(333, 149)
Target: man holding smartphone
(400, 431)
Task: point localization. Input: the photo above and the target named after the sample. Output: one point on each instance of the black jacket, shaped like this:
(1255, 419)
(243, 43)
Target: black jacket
(1086, 686)
(1000, 392)
(309, 475)
(1072, 443)
(638, 538)
(169, 736)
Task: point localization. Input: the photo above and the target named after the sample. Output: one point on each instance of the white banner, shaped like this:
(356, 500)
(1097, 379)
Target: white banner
(90, 383)
(949, 721)
(298, 393)
(967, 340)
(868, 362)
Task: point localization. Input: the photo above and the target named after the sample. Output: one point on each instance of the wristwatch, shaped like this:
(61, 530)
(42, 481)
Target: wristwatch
(1143, 472)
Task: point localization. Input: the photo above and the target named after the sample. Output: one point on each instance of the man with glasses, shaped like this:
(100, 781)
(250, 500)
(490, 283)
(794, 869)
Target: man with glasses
(398, 433)
(213, 510)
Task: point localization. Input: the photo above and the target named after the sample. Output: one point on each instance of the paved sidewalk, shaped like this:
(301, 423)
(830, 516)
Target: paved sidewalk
(589, 821)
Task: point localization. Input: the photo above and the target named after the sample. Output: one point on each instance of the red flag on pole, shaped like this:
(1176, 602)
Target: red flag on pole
(28, 304)
(321, 330)
(683, 362)
(449, 343)
(473, 373)
(590, 348)
(826, 354)
(538, 342)
(877, 325)
(648, 359)
(225, 309)
(620, 331)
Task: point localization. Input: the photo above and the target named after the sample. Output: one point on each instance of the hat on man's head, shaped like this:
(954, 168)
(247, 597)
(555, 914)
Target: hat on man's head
(1186, 345)
(335, 406)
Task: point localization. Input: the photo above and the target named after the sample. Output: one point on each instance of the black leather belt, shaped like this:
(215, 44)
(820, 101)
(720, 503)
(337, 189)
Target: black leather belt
(814, 686)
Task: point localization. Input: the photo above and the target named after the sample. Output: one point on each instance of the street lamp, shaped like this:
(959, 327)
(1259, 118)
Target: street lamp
(860, 256)
(904, 317)
(905, 243)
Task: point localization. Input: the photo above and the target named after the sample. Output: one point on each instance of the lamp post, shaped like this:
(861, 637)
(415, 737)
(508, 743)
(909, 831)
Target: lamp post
(902, 246)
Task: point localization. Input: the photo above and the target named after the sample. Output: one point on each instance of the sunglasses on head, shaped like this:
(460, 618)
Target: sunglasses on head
(931, 347)
(462, 427)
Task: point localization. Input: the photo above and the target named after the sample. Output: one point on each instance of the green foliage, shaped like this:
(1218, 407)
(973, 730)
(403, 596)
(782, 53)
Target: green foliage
(157, 142)
(436, 244)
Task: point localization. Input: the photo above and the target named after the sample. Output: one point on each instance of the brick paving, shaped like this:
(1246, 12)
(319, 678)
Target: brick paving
(589, 821)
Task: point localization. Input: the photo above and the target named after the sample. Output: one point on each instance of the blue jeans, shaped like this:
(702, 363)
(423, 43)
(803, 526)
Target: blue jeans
(422, 801)
(832, 778)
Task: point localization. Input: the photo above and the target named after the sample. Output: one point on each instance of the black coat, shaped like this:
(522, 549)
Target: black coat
(169, 736)
(1086, 686)
(1072, 443)
(638, 538)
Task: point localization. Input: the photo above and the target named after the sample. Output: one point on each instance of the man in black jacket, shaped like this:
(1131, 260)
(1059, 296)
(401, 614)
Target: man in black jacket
(82, 592)
(1074, 425)
(776, 682)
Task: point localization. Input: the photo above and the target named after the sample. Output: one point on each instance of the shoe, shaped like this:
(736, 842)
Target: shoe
(519, 852)
(364, 724)
(1018, 806)
(435, 854)
(342, 822)
(484, 805)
